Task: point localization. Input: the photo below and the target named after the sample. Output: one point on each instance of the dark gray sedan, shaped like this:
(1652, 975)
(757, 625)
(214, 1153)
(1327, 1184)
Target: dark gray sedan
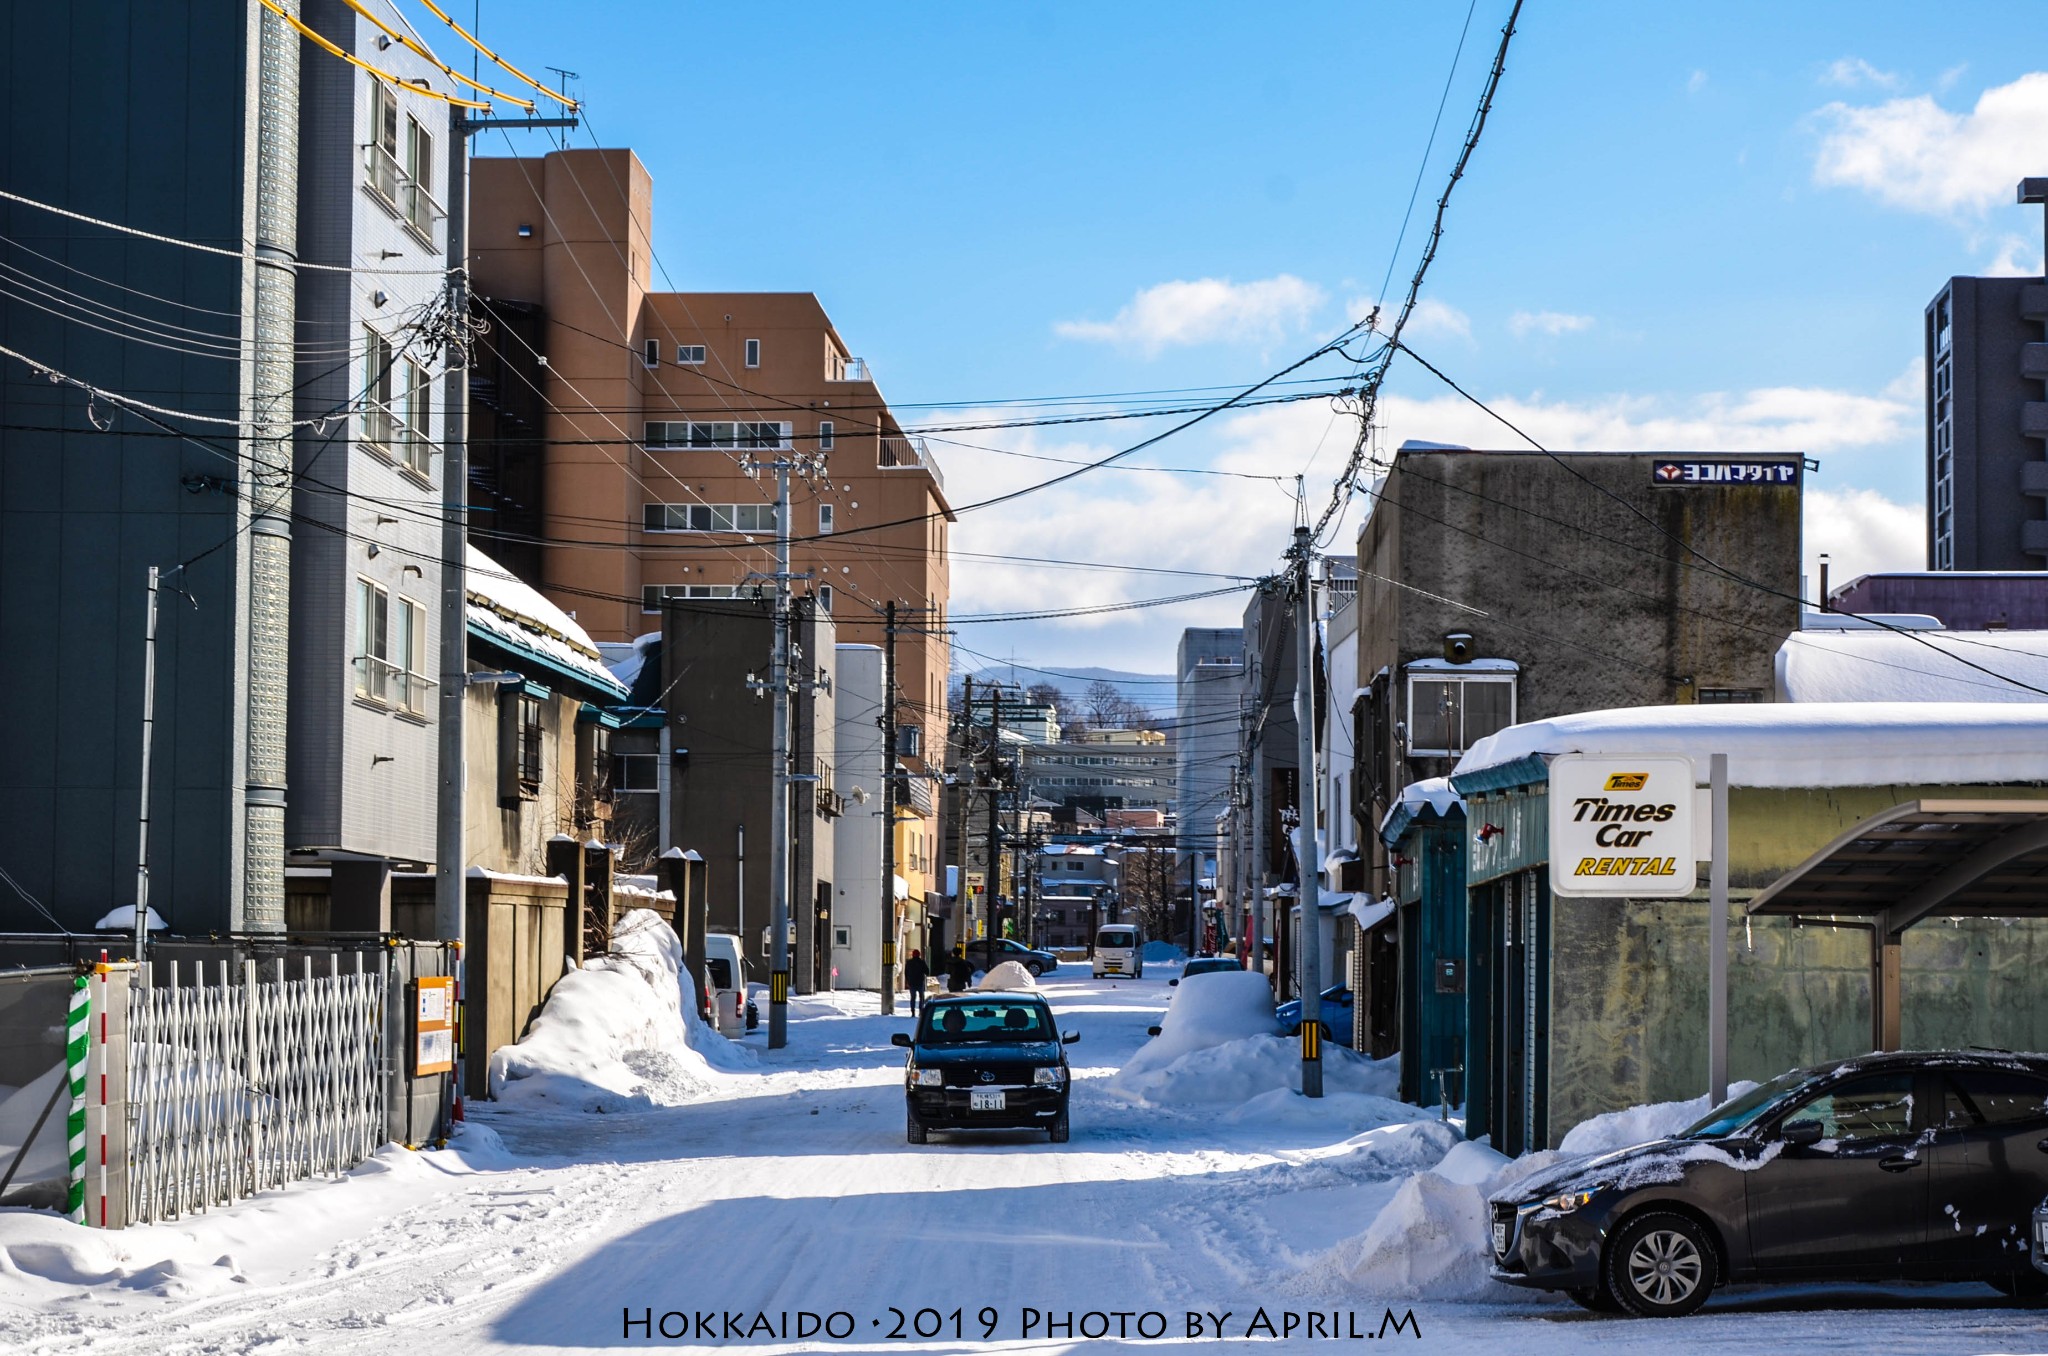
(1886, 1168)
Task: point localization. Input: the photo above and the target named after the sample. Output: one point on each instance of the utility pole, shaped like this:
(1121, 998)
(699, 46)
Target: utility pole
(148, 743)
(993, 913)
(1255, 868)
(962, 920)
(450, 853)
(889, 810)
(778, 796)
(1194, 904)
(1305, 845)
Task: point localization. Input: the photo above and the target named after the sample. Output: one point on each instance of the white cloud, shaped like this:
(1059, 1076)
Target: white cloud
(1918, 156)
(1696, 83)
(1910, 386)
(2017, 258)
(1864, 533)
(1203, 311)
(1522, 324)
(1433, 319)
(1851, 72)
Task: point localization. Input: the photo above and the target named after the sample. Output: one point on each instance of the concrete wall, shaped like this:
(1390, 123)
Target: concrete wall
(857, 834)
(516, 932)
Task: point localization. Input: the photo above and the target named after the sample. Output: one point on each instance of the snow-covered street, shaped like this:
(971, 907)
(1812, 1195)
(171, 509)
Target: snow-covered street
(790, 1189)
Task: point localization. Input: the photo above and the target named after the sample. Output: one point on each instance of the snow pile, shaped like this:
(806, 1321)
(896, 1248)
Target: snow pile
(1009, 975)
(1641, 1124)
(123, 918)
(1258, 1078)
(1207, 1010)
(1159, 953)
(622, 1033)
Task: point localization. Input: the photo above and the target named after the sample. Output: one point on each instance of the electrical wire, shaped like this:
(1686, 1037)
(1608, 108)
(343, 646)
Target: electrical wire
(419, 48)
(321, 41)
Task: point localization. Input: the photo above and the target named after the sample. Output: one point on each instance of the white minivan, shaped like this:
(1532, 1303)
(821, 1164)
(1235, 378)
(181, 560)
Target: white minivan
(725, 983)
(1120, 950)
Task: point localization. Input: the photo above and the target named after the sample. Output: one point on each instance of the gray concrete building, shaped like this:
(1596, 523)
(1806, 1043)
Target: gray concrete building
(294, 708)
(1987, 477)
(1208, 687)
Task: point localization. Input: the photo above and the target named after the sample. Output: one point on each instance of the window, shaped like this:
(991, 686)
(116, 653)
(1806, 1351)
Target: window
(417, 442)
(652, 354)
(373, 641)
(654, 595)
(1873, 1107)
(753, 352)
(420, 207)
(1725, 696)
(1987, 1097)
(709, 517)
(635, 774)
(409, 665)
(842, 938)
(825, 599)
(381, 155)
(719, 434)
(1448, 714)
(378, 383)
(529, 745)
(824, 520)
(824, 435)
(690, 355)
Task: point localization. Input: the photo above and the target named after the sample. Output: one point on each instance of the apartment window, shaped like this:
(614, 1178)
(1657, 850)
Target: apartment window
(635, 774)
(381, 155)
(420, 207)
(1449, 713)
(722, 435)
(373, 641)
(652, 354)
(378, 382)
(416, 445)
(1726, 696)
(824, 435)
(753, 352)
(690, 355)
(409, 665)
(652, 596)
(824, 520)
(842, 938)
(709, 517)
(825, 599)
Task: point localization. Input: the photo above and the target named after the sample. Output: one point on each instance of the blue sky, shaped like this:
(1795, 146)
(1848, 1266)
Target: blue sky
(1699, 226)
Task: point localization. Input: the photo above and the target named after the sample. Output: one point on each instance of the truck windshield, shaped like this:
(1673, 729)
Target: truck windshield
(1116, 937)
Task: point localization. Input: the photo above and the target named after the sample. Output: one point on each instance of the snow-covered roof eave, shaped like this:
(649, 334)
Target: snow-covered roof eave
(507, 612)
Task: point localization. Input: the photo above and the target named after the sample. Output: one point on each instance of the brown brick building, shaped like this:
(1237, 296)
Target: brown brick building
(610, 422)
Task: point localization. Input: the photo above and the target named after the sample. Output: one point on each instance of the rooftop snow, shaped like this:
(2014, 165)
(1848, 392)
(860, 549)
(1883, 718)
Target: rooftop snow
(1928, 666)
(1804, 744)
(508, 611)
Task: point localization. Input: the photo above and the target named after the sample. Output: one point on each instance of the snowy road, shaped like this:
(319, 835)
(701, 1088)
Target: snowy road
(793, 1191)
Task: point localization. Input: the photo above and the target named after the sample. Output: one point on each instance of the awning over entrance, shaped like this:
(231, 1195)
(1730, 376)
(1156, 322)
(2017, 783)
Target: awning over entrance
(1984, 858)
(1925, 858)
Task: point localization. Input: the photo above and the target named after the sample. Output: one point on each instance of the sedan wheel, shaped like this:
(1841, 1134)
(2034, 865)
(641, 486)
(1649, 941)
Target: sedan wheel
(1035, 968)
(1660, 1266)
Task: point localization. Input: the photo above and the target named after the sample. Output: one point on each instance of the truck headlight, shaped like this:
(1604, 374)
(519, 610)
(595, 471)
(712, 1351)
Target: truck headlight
(1048, 1077)
(928, 1078)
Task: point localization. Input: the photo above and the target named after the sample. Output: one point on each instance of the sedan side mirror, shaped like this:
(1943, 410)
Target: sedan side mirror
(1151, 1030)
(1801, 1134)
(1070, 1037)
(899, 1038)
(1171, 983)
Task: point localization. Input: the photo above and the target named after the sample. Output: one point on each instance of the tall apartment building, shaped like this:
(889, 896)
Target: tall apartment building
(1987, 425)
(294, 716)
(630, 413)
(1208, 718)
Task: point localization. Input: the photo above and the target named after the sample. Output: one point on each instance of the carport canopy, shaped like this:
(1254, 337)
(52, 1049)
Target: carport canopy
(1920, 859)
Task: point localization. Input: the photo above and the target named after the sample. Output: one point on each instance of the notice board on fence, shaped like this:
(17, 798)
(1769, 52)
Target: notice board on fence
(433, 1024)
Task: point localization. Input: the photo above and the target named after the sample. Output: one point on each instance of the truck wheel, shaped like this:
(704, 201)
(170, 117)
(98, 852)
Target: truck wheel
(1059, 1128)
(1660, 1265)
(914, 1129)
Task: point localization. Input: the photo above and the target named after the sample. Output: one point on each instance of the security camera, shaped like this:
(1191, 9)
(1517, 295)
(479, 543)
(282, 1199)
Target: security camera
(1458, 646)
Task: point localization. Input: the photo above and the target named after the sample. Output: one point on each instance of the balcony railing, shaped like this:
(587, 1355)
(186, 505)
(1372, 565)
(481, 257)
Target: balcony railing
(399, 191)
(850, 369)
(380, 680)
(899, 453)
(383, 174)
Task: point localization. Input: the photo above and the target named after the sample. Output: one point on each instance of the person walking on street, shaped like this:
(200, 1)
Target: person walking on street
(958, 972)
(915, 973)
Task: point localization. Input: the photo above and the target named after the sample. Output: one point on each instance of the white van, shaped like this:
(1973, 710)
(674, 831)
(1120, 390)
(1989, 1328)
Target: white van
(725, 983)
(1120, 950)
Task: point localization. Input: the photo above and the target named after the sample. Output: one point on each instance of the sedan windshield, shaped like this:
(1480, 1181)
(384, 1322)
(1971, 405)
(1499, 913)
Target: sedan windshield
(995, 1020)
(1739, 1114)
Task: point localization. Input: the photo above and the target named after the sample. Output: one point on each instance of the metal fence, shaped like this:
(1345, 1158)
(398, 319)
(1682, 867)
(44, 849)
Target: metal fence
(244, 1077)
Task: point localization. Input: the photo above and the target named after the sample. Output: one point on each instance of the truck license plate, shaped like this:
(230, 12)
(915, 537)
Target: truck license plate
(1500, 1240)
(984, 1101)
(1113, 968)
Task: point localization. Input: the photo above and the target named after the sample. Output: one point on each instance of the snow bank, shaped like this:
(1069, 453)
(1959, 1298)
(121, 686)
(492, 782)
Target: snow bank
(1259, 1079)
(1008, 976)
(622, 1033)
(1207, 1010)
(1159, 953)
(1640, 1124)
(124, 919)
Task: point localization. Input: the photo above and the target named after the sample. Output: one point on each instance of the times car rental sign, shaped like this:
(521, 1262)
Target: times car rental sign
(1622, 825)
